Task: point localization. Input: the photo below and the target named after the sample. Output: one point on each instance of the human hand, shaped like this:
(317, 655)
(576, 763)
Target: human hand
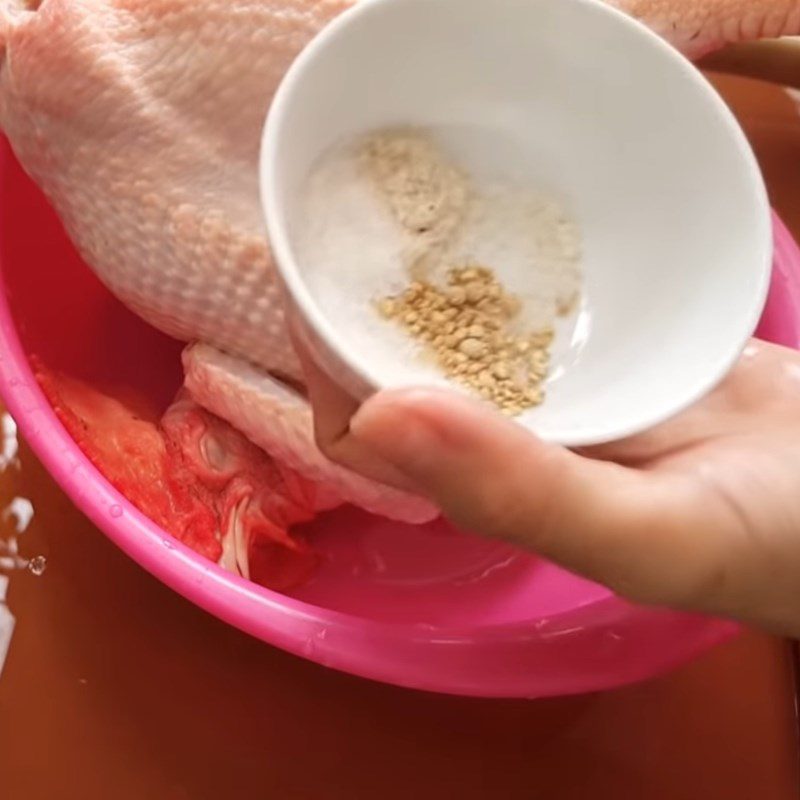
(701, 513)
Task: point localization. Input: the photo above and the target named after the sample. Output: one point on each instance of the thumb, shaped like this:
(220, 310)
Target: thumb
(633, 531)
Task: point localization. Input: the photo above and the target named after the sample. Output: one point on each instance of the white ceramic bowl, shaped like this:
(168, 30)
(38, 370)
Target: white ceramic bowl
(575, 96)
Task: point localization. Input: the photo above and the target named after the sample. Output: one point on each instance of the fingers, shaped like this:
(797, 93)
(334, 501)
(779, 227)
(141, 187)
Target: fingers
(635, 532)
(333, 410)
(333, 407)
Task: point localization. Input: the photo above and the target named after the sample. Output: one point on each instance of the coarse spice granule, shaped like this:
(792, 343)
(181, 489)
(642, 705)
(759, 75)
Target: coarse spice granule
(468, 327)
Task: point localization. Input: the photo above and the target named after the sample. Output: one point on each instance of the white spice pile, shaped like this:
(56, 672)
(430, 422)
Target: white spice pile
(427, 196)
(391, 222)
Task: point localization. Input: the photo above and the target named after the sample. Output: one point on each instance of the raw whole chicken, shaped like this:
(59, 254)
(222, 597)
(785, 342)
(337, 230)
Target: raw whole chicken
(141, 121)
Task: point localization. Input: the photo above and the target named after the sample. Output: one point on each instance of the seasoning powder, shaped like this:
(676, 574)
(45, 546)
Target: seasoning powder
(391, 224)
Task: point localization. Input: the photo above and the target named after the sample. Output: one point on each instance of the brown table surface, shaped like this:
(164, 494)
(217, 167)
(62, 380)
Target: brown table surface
(117, 688)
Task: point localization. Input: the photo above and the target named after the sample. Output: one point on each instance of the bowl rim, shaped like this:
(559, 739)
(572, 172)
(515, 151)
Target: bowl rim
(361, 373)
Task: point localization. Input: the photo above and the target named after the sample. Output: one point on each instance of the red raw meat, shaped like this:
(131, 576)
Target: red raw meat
(195, 476)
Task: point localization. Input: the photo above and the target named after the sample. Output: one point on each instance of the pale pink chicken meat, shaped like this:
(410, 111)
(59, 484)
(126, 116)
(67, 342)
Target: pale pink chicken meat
(141, 120)
(235, 390)
(698, 27)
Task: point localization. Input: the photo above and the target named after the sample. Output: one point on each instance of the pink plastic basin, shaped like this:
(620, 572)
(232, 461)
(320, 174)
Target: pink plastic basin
(425, 608)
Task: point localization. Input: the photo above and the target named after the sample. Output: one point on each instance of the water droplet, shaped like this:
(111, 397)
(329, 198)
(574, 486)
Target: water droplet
(168, 543)
(115, 511)
(37, 565)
